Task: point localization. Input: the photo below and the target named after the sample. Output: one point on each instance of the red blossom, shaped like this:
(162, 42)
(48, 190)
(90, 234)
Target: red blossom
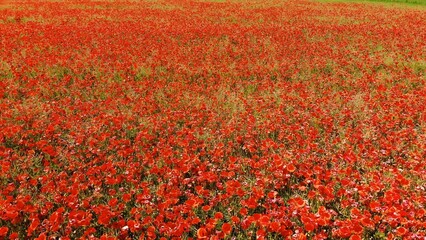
(226, 228)
(3, 231)
(202, 233)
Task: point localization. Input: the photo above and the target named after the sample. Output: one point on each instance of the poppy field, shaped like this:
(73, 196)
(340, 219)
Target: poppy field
(198, 119)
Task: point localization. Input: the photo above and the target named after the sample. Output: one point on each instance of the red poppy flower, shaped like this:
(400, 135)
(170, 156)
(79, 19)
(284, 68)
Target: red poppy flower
(244, 211)
(218, 215)
(202, 233)
(33, 226)
(14, 235)
(345, 232)
(150, 232)
(195, 221)
(42, 236)
(134, 226)
(226, 228)
(260, 233)
(310, 227)
(299, 202)
(3, 231)
(264, 221)
(206, 208)
(355, 237)
(235, 219)
(291, 168)
(104, 219)
(401, 231)
(275, 226)
(127, 197)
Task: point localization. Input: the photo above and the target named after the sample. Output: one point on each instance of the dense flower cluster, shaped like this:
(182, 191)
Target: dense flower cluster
(212, 119)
